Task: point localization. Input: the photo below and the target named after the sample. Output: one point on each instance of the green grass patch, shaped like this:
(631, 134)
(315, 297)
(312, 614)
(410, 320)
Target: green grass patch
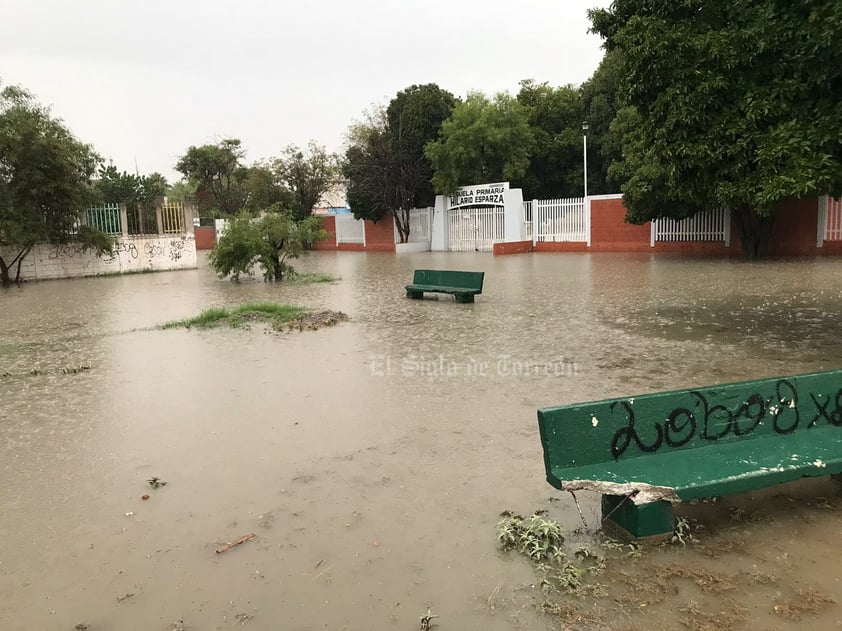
(271, 313)
(308, 279)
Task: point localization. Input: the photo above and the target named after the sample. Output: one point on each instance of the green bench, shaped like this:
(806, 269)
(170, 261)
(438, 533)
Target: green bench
(463, 285)
(645, 453)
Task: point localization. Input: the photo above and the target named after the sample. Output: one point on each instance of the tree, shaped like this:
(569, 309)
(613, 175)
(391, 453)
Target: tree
(413, 119)
(308, 174)
(218, 174)
(388, 172)
(376, 184)
(263, 190)
(269, 241)
(738, 102)
(483, 141)
(556, 164)
(44, 182)
(180, 191)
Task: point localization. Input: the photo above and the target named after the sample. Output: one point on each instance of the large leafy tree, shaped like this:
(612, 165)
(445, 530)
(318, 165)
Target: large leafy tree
(308, 174)
(484, 140)
(387, 170)
(413, 119)
(45, 177)
(555, 116)
(270, 241)
(737, 103)
(218, 174)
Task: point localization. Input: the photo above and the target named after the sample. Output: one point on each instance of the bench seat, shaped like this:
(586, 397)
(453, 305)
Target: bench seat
(646, 452)
(463, 285)
(443, 290)
(733, 467)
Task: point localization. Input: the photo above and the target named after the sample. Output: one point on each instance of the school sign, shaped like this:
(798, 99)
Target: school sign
(480, 195)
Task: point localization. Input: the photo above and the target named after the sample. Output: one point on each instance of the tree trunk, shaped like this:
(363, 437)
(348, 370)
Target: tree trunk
(20, 258)
(5, 281)
(277, 268)
(755, 231)
(402, 224)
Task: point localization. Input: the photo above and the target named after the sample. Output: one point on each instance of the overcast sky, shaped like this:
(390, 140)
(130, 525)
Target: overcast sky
(143, 80)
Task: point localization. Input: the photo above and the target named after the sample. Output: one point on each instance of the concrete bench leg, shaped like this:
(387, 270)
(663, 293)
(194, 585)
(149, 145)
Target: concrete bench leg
(622, 518)
(464, 298)
(415, 295)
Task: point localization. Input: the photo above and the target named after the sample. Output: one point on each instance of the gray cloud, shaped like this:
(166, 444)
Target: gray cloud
(145, 80)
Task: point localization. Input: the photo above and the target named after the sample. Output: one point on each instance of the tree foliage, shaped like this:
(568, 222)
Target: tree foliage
(385, 164)
(308, 174)
(264, 191)
(736, 103)
(555, 164)
(218, 174)
(413, 119)
(269, 241)
(118, 187)
(484, 140)
(45, 176)
(376, 183)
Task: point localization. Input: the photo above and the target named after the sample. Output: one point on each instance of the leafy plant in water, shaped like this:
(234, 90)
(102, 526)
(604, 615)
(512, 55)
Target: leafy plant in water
(537, 537)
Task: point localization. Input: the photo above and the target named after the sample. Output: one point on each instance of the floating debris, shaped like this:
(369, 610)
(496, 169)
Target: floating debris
(156, 482)
(427, 621)
(232, 544)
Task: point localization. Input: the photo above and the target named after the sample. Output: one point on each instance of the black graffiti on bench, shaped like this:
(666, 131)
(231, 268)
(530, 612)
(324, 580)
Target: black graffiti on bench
(681, 424)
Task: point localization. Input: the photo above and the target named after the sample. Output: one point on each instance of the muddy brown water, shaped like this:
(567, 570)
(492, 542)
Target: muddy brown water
(372, 459)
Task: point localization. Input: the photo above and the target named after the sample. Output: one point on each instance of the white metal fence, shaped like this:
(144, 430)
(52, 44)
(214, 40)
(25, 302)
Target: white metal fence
(475, 229)
(349, 230)
(527, 219)
(420, 225)
(704, 226)
(830, 219)
(561, 219)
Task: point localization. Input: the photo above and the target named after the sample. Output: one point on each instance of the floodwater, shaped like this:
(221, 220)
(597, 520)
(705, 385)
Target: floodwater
(372, 459)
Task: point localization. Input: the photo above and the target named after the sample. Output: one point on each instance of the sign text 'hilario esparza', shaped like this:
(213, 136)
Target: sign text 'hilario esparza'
(479, 195)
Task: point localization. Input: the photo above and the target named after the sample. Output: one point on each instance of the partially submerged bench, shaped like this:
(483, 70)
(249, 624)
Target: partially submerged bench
(645, 453)
(463, 285)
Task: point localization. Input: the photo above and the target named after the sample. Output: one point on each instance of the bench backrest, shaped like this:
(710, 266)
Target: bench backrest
(448, 278)
(631, 427)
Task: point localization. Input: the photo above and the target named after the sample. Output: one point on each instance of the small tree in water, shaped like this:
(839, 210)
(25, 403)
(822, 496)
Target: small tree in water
(269, 241)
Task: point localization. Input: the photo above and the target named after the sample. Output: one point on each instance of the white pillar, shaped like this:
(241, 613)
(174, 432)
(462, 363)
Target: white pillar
(513, 215)
(438, 236)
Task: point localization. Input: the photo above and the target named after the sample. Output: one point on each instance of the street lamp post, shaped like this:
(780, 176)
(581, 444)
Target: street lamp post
(585, 152)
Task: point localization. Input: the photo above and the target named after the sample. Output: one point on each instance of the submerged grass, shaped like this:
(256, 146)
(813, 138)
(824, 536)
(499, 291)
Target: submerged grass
(270, 312)
(308, 279)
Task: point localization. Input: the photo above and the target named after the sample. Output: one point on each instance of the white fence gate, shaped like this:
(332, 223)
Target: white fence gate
(349, 230)
(705, 226)
(475, 228)
(830, 220)
(527, 219)
(561, 219)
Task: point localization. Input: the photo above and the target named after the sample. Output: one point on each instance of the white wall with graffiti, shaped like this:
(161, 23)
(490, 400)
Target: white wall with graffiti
(133, 254)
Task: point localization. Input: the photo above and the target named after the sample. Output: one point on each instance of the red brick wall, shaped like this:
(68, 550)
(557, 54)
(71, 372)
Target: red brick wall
(205, 237)
(795, 230)
(610, 232)
(380, 236)
(329, 225)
